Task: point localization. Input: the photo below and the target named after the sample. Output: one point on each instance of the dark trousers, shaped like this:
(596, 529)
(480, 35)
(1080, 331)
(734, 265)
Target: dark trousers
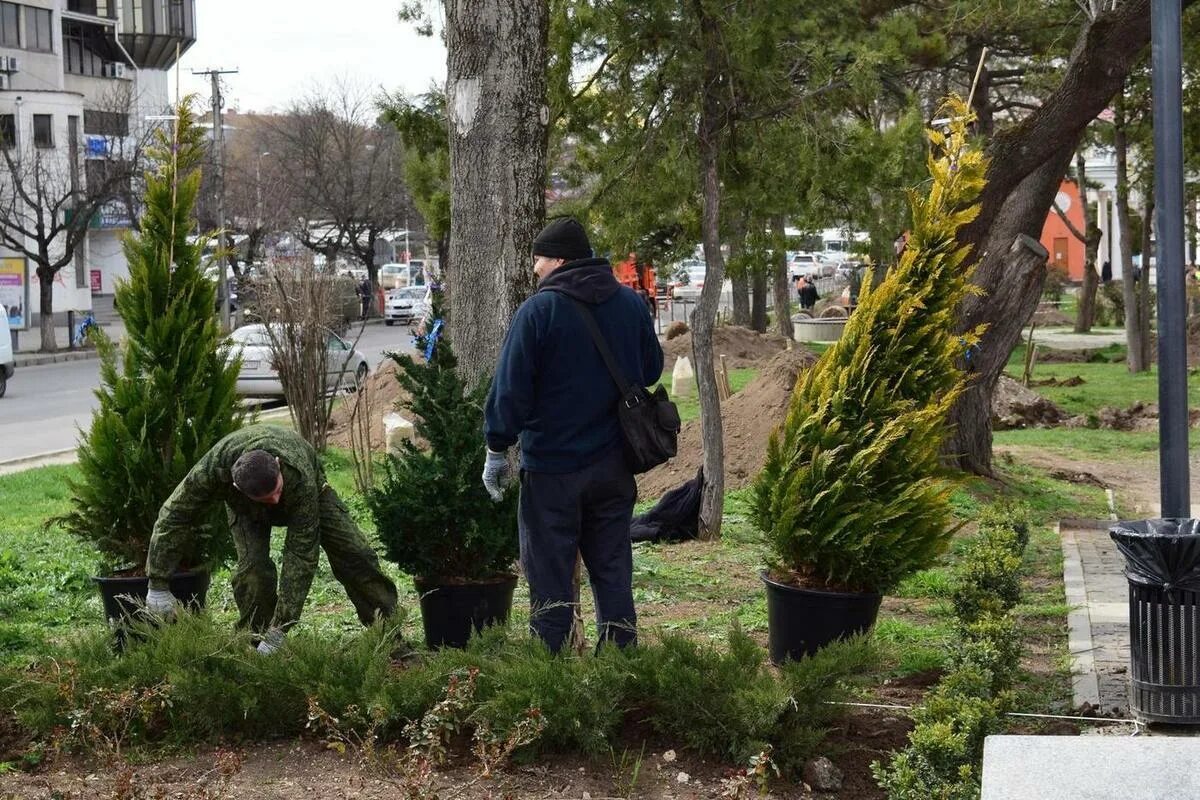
(587, 512)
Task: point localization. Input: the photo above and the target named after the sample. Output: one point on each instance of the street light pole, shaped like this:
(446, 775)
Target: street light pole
(258, 222)
(1167, 57)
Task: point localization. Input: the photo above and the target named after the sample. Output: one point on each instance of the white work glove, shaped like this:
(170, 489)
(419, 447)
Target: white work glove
(160, 602)
(271, 641)
(496, 474)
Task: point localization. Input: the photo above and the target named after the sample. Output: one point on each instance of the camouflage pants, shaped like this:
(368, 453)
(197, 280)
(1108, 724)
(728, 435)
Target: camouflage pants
(352, 559)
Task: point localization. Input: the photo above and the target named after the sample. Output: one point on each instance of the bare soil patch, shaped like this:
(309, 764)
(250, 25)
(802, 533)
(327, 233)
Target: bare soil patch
(384, 395)
(742, 347)
(749, 417)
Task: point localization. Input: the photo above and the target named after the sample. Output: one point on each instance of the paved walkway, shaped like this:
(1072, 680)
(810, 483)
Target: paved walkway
(1067, 339)
(1098, 594)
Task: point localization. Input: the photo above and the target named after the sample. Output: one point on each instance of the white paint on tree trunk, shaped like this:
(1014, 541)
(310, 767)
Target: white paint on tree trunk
(465, 92)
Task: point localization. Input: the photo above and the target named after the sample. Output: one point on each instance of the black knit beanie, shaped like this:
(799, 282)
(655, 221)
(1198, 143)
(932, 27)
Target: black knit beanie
(563, 238)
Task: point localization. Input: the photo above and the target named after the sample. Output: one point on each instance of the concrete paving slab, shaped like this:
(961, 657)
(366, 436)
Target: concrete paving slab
(1090, 767)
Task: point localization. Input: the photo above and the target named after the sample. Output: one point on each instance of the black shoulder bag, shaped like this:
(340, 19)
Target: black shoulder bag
(649, 421)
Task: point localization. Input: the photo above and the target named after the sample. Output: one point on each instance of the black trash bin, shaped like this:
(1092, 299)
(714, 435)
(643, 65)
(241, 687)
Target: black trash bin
(1162, 563)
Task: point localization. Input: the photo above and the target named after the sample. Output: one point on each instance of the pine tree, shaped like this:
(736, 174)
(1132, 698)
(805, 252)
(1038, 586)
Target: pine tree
(853, 494)
(433, 515)
(168, 395)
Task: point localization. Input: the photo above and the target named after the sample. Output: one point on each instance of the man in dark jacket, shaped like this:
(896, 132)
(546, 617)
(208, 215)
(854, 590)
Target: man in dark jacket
(553, 393)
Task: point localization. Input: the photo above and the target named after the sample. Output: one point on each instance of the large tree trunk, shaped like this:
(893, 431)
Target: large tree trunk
(712, 495)
(46, 311)
(1133, 344)
(1144, 279)
(1028, 161)
(739, 278)
(1012, 273)
(780, 285)
(1086, 313)
(740, 282)
(496, 101)
(758, 297)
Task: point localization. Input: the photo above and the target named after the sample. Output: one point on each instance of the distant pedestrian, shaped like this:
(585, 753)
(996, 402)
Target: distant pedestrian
(808, 293)
(364, 295)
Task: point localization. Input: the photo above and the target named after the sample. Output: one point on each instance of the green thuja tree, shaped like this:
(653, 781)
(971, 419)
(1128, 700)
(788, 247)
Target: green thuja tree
(853, 495)
(433, 516)
(168, 394)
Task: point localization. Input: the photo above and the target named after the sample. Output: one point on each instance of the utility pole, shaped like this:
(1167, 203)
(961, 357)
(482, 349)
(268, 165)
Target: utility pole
(219, 182)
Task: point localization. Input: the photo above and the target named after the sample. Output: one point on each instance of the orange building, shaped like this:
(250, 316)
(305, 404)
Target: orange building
(1064, 247)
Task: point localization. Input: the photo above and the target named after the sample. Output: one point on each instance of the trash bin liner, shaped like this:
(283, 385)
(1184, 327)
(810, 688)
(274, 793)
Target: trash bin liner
(1164, 553)
(1162, 564)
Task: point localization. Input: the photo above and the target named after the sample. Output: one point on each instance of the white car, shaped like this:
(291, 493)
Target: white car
(399, 276)
(405, 305)
(8, 364)
(808, 265)
(691, 282)
(346, 368)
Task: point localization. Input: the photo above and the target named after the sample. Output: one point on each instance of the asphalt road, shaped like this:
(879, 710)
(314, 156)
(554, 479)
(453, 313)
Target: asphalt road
(46, 405)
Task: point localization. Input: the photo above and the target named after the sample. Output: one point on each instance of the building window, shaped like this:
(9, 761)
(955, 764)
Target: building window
(43, 130)
(8, 130)
(82, 49)
(38, 29)
(10, 25)
(105, 123)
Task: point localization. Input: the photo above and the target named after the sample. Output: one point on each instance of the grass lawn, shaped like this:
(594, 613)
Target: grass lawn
(701, 588)
(1105, 384)
(689, 407)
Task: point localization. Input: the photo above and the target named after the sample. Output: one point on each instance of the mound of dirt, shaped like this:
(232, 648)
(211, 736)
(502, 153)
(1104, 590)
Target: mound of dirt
(383, 396)
(750, 416)
(1053, 355)
(1015, 406)
(742, 347)
(1074, 380)
(1049, 316)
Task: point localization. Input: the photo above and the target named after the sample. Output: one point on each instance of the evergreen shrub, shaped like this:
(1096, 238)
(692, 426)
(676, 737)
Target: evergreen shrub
(945, 748)
(168, 395)
(853, 495)
(433, 516)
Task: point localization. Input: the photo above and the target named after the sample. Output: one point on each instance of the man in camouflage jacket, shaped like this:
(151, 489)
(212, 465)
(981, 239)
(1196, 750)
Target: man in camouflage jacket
(269, 476)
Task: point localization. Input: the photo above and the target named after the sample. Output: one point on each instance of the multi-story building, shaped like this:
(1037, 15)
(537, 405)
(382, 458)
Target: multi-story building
(78, 80)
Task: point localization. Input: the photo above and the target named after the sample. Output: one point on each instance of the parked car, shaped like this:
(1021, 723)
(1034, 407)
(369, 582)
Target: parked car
(346, 367)
(689, 280)
(808, 265)
(8, 364)
(405, 305)
(399, 276)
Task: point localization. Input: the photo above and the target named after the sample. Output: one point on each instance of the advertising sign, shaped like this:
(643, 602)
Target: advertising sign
(14, 292)
(97, 146)
(97, 281)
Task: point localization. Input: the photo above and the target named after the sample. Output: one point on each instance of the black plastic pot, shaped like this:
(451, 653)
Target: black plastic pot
(123, 597)
(802, 621)
(451, 612)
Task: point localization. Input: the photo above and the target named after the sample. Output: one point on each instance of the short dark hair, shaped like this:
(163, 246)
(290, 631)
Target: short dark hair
(256, 473)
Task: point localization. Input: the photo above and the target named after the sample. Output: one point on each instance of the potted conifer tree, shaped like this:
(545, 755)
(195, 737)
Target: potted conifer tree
(166, 396)
(852, 497)
(433, 516)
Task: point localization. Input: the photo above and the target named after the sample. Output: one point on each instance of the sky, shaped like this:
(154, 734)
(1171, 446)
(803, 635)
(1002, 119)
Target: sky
(285, 48)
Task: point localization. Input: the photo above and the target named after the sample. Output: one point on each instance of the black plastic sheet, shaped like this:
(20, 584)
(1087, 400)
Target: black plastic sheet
(1164, 553)
(674, 518)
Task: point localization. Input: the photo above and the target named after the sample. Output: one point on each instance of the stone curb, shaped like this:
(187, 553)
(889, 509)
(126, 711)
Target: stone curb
(23, 463)
(39, 359)
(1085, 684)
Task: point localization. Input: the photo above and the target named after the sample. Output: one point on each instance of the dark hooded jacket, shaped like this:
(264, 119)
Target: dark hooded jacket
(551, 389)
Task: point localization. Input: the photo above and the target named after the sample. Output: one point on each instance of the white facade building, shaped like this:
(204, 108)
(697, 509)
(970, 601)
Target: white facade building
(78, 78)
